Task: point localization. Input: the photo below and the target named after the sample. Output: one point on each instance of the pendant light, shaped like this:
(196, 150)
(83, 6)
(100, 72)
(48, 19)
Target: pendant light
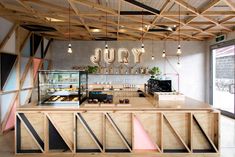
(164, 50)
(106, 44)
(142, 45)
(152, 51)
(179, 48)
(69, 46)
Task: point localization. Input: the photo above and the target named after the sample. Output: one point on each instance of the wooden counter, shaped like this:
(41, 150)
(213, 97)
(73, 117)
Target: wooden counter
(147, 127)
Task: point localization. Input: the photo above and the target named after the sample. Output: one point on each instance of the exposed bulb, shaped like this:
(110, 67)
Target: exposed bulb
(70, 48)
(152, 57)
(142, 48)
(164, 54)
(178, 50)
(106, 46)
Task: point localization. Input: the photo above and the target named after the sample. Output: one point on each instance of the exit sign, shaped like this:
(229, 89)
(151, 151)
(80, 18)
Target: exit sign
(220, 38)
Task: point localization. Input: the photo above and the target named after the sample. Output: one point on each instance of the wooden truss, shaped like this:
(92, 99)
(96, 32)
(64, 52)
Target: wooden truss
(197, 23)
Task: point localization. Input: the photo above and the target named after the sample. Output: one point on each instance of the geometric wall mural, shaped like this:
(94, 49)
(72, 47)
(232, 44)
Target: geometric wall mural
(7, 61)
(36, 66)
(18, 75)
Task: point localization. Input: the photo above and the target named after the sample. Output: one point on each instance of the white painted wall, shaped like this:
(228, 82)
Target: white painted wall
(192, 72)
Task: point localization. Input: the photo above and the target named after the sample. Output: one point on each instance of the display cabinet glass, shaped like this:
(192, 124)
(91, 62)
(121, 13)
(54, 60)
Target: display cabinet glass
(62, 87)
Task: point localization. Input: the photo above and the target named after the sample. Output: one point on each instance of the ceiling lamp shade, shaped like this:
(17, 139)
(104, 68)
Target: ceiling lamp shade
(142, 48)
(70, 49)
(164, 53)
(178, 50)
(106, 46)
(164, 50)
(69, 46)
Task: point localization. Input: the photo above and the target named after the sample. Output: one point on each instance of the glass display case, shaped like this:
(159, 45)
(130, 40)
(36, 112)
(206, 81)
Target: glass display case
(62, 87)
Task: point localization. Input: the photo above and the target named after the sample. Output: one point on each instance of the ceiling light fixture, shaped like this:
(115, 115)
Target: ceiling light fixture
(164, 50)
(70, 45)
(152, 51)
(106, 44)
(142, 45)
(179, 48)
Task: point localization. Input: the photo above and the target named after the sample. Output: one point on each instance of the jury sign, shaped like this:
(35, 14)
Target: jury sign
(109, 55)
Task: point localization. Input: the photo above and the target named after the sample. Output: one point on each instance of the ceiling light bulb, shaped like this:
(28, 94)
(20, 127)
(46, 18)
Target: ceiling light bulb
(178, 50)
(106, 46)
(152, 57)
(70, 48)
(142, 48)
(164, 53)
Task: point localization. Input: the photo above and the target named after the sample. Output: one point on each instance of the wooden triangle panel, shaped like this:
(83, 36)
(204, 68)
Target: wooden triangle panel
(56, 142)
(170, 139)
(84, 139)
(207, 122)
(7, 61)
(151, 124)
(37, 122)
(180, 122)
(142, 140)
(95, 122)
(64, 125)
(27, 141)
(124, 124)
(113, 140)
(202, 141)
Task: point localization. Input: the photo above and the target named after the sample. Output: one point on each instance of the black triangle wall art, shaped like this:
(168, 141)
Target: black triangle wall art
(7, 61)
(55, 140)
(35, 41)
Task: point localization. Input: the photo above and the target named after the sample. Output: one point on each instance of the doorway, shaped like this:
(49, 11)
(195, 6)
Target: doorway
(223, 73)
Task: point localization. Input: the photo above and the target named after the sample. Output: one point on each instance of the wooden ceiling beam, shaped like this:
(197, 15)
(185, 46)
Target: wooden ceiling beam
(231, 4)
(75, 9)
(157, 16)
(119, 9)
(96, 6)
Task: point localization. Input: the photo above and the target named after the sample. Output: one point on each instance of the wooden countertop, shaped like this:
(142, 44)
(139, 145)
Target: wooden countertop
(137, 103)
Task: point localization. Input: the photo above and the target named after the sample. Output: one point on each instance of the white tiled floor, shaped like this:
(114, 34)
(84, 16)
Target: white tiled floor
(227, 137)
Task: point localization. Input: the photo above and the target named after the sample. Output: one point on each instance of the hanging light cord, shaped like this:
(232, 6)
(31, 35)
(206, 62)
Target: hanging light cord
(152, 47)
(142, 26)
(69, 23)
(106, 25)
(179, 26)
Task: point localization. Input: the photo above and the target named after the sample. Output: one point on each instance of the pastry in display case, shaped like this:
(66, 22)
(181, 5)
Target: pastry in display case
(62, 87)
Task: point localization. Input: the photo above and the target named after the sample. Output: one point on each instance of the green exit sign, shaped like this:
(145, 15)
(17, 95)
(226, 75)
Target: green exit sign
(220, 38)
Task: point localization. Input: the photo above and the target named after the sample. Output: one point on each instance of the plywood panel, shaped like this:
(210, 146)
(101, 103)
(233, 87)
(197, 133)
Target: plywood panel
(95, 122)
(84, 140)
(180, 122)
(170, 140)
(27, 141)
(64, 122)
(37, 121)
(113, 140)
(152, 125)
(124, 123)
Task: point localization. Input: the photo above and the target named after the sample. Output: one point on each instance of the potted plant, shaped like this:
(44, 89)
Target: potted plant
(154, 71)
(92, 69)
